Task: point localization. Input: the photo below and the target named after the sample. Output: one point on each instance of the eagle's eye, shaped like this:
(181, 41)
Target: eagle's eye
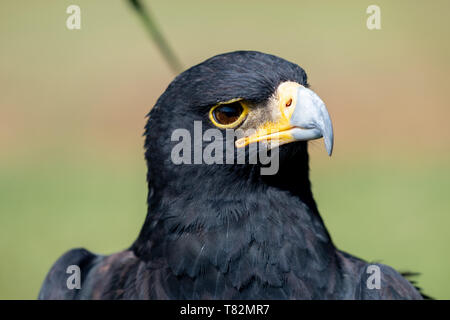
(228, 115)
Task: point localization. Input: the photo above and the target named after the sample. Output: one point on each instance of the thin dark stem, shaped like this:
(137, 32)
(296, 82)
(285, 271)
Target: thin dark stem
(156, 35)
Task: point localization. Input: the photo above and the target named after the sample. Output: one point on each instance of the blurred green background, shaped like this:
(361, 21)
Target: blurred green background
(73, 106)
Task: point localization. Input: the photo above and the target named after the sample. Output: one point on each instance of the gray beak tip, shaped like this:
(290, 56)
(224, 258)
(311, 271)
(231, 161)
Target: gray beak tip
(329, 146)
(328, 136)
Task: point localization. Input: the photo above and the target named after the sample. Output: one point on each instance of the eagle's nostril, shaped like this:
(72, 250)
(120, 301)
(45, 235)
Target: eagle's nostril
(289, 103)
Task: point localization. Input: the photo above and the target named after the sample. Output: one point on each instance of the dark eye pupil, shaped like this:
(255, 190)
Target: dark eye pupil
(228, 113)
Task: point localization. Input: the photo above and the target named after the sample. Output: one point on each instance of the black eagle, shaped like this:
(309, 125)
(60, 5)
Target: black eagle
(225, 230)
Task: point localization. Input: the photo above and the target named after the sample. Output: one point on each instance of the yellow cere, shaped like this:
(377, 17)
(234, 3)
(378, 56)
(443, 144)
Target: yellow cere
(287, 91)
(279, 129)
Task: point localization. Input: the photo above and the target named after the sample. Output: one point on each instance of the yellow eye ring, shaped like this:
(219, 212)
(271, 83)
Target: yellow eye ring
(236, 111)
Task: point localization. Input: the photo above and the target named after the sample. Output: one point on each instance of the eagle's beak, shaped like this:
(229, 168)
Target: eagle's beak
(302, 116)
(311, 120)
